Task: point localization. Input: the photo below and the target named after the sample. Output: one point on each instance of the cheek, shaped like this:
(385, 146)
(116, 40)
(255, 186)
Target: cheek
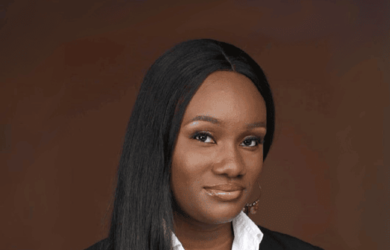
(254, 165)
(189, 161)
(255, 162)
(188, 168)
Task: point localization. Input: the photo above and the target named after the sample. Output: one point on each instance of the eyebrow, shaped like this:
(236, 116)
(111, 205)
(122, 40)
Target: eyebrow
(216, 121)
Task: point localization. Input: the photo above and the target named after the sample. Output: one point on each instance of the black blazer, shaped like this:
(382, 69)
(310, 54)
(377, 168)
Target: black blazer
(271, 241)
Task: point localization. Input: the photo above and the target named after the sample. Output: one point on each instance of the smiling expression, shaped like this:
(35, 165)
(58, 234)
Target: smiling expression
(220, 142)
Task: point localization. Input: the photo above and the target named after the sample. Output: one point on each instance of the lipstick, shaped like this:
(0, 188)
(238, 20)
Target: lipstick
(224, 195)
(225, 192)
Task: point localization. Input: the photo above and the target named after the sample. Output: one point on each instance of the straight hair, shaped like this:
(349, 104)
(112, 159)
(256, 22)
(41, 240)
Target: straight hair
(142, 215)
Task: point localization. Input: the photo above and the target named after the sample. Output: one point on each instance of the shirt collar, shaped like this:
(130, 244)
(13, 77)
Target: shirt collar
(247, 235)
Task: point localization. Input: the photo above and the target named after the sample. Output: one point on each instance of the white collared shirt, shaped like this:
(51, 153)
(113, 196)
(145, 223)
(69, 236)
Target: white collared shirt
(247, 235)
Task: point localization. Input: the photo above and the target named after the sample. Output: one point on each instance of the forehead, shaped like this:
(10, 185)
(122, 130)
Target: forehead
(227, 95)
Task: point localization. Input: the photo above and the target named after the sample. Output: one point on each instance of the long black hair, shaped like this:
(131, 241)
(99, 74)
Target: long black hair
(142, 216)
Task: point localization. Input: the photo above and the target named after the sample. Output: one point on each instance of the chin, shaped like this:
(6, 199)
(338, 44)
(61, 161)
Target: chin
(221, 215)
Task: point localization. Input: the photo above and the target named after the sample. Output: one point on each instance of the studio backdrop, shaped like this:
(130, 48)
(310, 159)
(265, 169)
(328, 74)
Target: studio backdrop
(70, 72)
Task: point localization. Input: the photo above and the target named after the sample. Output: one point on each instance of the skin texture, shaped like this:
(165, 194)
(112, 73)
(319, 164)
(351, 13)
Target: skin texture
(232, 154)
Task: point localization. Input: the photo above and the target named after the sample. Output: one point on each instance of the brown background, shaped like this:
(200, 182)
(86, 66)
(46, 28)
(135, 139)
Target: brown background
(70, 71)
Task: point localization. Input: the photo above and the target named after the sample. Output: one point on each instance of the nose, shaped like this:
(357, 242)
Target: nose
(229, 162)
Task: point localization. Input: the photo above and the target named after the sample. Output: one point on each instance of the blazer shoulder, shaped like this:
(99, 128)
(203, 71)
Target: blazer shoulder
(101, 245)
(275, 241)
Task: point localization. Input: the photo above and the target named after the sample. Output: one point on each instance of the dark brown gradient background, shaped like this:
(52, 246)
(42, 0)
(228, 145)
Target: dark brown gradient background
(70, 72)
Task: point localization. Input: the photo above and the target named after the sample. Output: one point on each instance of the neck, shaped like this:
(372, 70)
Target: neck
(196, 235)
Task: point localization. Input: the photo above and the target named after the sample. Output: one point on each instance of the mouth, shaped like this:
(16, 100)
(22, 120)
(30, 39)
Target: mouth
(224, 195)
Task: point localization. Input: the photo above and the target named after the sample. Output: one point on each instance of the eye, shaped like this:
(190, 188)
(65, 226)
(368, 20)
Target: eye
(203, 137)
(252, 142)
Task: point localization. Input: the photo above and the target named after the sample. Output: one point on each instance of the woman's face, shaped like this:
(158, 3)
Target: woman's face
(220, 142)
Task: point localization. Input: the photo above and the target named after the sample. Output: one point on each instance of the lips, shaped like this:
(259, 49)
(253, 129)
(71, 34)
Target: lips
(226, 187)
(225, 192)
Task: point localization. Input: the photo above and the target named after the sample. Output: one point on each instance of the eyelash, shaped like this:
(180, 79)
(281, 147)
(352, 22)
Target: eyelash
(258, 140)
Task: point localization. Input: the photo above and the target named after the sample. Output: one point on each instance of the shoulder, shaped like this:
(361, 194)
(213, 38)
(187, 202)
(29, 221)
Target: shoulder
(275, 241)
(101, 245)
(271, 241)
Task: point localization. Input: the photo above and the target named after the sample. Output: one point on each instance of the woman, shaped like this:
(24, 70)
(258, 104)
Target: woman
(200, 129)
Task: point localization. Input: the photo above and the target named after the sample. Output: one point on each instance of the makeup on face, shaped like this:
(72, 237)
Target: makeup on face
(218, 155)
(225, 192)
